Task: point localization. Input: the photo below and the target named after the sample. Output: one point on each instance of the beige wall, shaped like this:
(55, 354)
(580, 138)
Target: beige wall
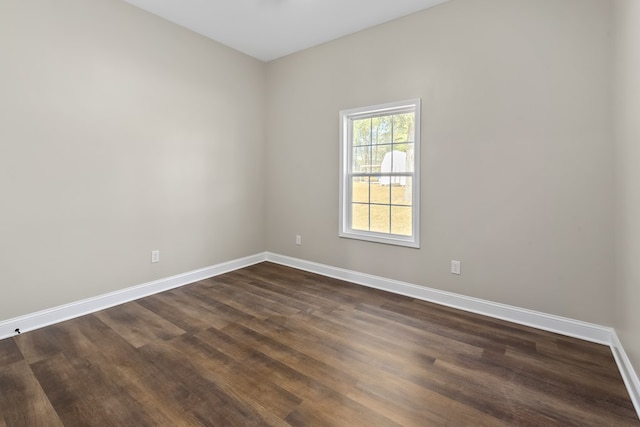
(627, 133)
(517, 178)
(120, 133)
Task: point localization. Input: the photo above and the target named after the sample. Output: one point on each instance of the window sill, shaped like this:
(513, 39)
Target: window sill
(387, 239)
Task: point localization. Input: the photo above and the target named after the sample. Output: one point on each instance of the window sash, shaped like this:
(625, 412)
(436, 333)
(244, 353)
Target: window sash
(347, 174)
(379, 174)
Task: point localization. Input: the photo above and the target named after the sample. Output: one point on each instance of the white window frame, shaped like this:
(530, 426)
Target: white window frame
(346, 174)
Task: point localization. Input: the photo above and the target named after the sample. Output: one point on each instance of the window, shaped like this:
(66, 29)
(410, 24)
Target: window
(379, 165)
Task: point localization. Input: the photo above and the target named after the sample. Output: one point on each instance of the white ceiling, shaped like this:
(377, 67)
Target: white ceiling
(269, 29)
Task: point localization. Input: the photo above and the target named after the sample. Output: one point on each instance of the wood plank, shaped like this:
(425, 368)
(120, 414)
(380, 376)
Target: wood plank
(237, 378)
(271, 345)
(204, 393)
(22, 400)
(9, 352)
(125, 366)
(37, 345)
(80, 386)
(138, 325)
(362, 368)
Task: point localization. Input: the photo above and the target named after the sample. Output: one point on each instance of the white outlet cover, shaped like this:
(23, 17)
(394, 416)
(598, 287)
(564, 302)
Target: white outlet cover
(455, 267)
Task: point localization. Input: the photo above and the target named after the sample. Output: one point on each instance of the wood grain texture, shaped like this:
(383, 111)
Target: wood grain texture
(274, 346)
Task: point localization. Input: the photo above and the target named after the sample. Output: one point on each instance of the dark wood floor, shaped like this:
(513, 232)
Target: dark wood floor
(270, 345)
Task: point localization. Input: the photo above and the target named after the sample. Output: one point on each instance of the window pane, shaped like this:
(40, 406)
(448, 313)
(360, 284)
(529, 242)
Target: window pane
(381, 146)
(402, 192)
(401, 220)
(361, 161)
(380, 193)
(360, 190)
(393, 161)
(362, 132)
(409, 150)
(381, 129)
(403, 127)
(360, 217)
(380, 218)
(378, 155)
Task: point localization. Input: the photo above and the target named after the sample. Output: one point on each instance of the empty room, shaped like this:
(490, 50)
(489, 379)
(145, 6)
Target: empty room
(319, 213)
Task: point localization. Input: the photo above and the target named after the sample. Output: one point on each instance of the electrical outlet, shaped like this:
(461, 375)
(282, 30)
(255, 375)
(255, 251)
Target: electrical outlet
(455, 267)
(298, 240)
(155, 256)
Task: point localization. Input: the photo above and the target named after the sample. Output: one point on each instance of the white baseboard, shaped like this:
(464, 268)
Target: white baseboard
(561, 325)
(61, 313)
(627, 372)
(547, 322)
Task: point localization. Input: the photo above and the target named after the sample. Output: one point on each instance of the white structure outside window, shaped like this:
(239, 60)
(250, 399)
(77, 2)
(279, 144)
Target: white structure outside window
(379, 173)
